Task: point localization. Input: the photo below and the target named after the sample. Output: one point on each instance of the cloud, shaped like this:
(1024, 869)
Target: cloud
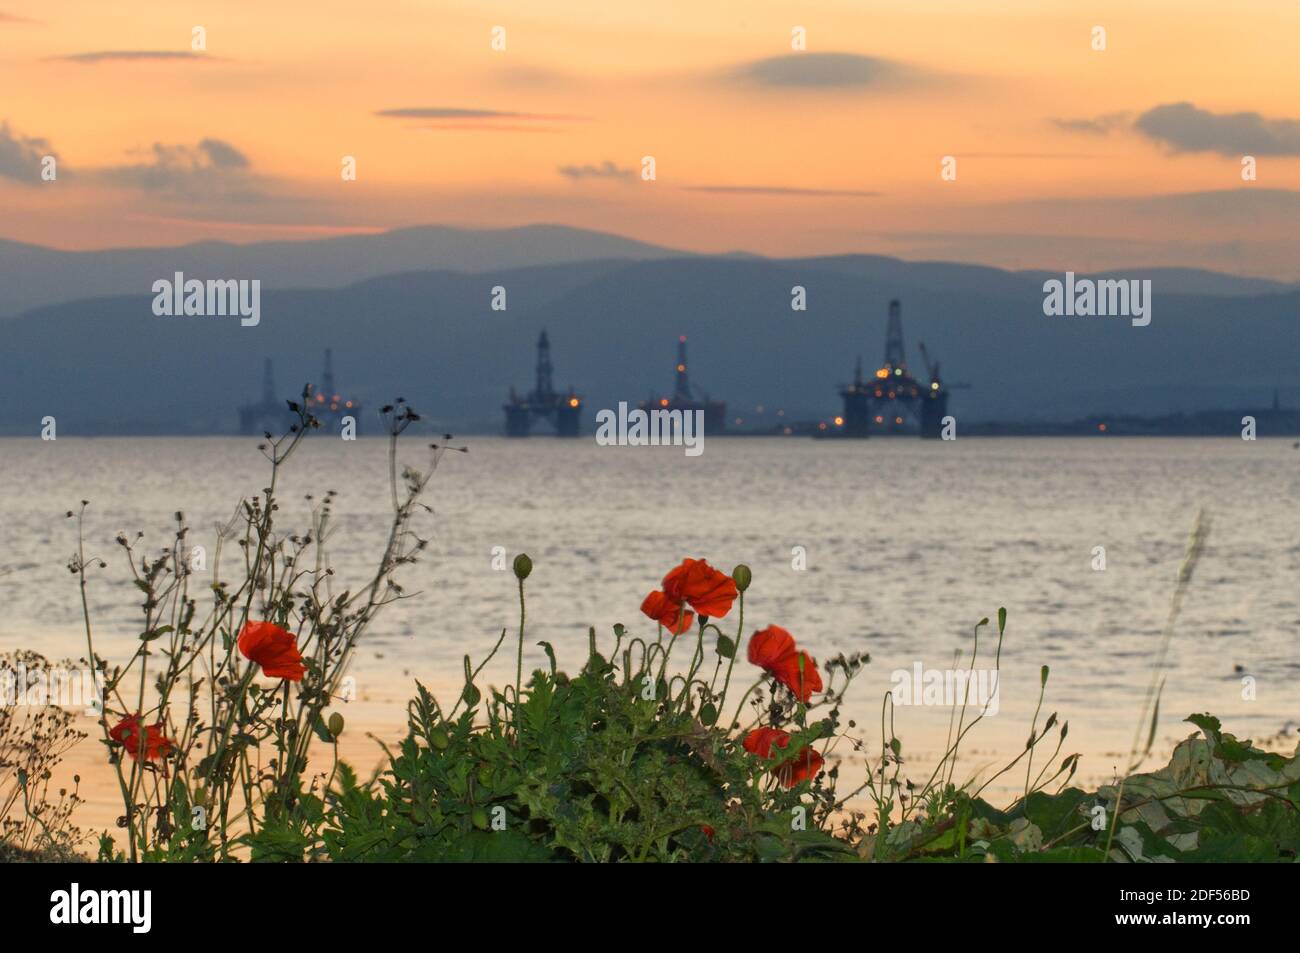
(20, 156)
(819, 71)
(450, 112)
(210, 169)
(606, 170)
(459, 119)
(108, 56)
(781, 191)
(1186, 128)
(1100, 126)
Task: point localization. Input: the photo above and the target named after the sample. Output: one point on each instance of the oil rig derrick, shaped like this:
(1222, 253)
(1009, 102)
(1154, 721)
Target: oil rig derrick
(892, 400)
(685, 399)
(272, 415)
(563, 411)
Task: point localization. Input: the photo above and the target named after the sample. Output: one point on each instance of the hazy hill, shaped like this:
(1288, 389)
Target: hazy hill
(110, 365)
(31, 276)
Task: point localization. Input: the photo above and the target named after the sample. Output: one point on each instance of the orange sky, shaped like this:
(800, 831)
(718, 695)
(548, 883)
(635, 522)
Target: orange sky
(1060, 158)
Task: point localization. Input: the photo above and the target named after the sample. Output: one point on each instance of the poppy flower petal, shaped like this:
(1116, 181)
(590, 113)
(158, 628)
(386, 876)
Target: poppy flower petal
(667, 612)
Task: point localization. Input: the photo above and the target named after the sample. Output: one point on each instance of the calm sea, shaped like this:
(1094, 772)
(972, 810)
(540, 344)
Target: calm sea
(895, 547)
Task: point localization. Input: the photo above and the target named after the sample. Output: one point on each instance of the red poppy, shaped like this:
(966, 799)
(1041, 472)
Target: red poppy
(667, 613)
(273, 648)
(709, 832)
(127, 733)
(806, 764)
(705, 589)
(773, 650)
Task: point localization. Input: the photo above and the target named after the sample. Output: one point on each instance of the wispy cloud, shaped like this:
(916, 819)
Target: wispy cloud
(462, 119)
(1186, 128)
(606, 170)
(452, 112)
(819, 71)
(20, 156)
(110, 56)
(1099, 125)
(781, 190)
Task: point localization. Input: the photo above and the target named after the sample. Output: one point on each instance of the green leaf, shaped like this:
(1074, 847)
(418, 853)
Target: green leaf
(550, 654)
(1207, 723)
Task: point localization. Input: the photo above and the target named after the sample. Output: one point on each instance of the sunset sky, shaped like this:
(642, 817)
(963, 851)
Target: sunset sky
(1066, 156)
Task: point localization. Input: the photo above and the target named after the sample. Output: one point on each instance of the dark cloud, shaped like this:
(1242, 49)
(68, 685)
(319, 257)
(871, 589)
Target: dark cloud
(606, 170)
(20, 156)
(818, 71)
(108, 56)
(1186, 128)
(210, 169)
(781, 191)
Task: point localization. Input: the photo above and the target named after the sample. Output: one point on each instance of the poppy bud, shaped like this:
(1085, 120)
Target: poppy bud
(439, 739)
(742, 576)
(523, 566)
(479, 817)
(335, 724)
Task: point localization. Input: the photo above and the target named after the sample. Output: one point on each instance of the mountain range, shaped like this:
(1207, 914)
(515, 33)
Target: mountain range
(410, 313)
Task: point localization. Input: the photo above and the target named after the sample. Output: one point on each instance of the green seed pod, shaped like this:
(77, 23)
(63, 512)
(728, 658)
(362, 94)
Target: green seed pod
(743, 577)
(439, 739)
(523, 566)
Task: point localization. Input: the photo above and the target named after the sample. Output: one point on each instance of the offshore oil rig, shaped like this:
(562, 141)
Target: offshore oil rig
(684, 398)
(892, 401)
(272, 415)
(562, 411)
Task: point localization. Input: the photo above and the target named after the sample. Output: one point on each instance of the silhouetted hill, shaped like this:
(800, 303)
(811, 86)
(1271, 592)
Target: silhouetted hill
(110, 366)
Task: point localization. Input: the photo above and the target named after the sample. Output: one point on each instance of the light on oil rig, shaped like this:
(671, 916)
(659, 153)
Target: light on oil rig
(663, 401)
(898, 420)
(821, 426)
(573, 402)
(882, 373)
(1101, 427)
(880, 420)
(839, 421)
(681, 368)
(934, 385)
